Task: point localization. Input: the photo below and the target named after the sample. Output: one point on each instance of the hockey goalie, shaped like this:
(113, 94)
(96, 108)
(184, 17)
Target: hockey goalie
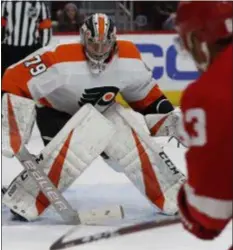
(70, 91)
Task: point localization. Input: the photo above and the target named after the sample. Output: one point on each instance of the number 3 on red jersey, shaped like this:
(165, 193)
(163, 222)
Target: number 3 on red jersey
(192, 129)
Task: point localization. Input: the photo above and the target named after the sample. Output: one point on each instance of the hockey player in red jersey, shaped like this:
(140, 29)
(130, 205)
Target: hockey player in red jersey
(205, 200)
(74, 86)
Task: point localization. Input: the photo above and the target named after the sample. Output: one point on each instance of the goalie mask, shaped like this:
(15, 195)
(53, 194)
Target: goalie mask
(98, 36)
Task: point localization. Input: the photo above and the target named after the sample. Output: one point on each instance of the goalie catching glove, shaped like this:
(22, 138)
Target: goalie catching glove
(163, 124)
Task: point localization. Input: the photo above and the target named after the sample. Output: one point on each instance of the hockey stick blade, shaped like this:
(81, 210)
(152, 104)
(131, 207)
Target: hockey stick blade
(125, 230)
(100, 215)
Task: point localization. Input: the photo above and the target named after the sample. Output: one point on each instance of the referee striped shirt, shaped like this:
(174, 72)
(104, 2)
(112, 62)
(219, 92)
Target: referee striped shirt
(25, 23)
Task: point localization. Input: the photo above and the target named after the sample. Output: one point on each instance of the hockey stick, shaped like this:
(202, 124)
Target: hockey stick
(35, 171)
(60, 204)
(61, 244)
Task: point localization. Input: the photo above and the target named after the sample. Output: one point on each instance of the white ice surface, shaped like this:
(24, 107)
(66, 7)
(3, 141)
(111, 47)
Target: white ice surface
(100, 186)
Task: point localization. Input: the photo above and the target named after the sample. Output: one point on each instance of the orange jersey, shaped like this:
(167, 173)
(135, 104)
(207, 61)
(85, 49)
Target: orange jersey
(60, 77)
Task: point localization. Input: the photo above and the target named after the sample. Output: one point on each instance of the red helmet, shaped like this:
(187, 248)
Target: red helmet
(210, 20)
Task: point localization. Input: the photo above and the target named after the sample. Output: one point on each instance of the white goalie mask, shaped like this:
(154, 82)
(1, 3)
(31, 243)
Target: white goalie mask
(98, 36)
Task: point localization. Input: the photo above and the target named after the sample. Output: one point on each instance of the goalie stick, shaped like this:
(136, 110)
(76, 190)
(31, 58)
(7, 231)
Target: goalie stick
(59, 203)
(61, 244)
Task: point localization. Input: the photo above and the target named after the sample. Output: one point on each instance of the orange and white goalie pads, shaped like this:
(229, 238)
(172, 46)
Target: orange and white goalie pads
(23, 112)
(142, 163)
(69, 153)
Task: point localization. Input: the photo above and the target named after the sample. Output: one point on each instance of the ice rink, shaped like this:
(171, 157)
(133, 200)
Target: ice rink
(100, 186)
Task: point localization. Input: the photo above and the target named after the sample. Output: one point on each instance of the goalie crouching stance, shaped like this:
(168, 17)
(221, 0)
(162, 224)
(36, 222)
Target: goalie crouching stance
(74, 87)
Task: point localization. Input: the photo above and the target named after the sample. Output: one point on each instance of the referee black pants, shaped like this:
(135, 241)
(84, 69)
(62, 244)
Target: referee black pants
(13, 54)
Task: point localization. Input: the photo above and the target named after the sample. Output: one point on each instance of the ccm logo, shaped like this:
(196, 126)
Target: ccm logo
(169, 163)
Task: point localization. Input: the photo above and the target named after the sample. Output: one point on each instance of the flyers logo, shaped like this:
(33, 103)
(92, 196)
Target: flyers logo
(101, 96)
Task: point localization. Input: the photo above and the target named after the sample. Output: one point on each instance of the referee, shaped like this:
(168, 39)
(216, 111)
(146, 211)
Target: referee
(26, 27)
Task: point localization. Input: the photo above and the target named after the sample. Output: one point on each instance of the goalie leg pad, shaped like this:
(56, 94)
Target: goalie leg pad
(160, 185)
(21, 112)
(70, 152)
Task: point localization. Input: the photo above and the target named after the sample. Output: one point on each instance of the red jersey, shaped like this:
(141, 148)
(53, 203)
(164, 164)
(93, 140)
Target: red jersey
(207, 129)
